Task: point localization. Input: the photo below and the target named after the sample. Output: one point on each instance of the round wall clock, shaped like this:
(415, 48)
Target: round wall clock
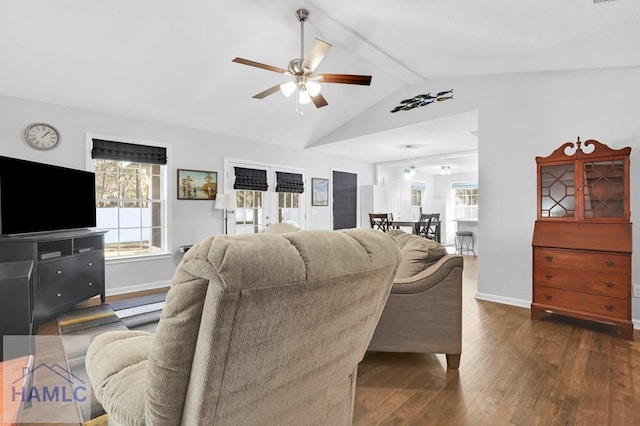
(42, 136)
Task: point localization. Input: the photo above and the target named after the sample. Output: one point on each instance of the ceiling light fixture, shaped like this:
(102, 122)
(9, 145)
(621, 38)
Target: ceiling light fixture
(445, 170)
(409, 173)
(306, 82)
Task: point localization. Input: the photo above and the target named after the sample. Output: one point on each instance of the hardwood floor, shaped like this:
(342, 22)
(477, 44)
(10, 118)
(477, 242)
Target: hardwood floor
(513, 371)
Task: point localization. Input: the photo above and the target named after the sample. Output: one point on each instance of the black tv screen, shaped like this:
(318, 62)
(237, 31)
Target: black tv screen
(37, 197)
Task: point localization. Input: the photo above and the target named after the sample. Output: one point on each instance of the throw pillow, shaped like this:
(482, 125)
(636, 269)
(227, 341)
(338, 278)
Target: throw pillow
(414, 258)
(418, 253)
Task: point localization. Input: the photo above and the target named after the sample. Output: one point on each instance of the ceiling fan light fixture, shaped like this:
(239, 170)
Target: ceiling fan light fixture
(288, 88)
(313, 88)
(303, 96)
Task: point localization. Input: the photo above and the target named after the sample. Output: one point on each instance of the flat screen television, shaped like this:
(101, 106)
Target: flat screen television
(38, 197)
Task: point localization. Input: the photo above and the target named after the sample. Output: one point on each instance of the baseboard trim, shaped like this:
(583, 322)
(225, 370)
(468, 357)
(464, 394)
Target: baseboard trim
(138, 287)
(504, 300)
(524, 304)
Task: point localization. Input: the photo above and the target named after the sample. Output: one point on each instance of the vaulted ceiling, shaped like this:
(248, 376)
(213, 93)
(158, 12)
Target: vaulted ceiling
(170, 61)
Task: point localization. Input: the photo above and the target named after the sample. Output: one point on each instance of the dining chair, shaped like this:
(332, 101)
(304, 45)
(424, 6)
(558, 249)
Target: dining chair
(379, 221)
(425, 225)
(431, 233)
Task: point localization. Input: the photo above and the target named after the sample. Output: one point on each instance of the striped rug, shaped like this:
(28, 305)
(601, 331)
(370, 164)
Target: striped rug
(140, 313)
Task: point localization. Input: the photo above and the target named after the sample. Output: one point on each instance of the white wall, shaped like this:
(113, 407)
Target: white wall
(189, 221)
(521, 116)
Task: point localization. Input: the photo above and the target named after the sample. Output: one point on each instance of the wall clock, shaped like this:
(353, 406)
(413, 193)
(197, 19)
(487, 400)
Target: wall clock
(42, 136)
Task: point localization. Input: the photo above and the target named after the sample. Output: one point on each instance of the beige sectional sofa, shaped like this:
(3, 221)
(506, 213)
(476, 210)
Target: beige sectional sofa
(424, 311)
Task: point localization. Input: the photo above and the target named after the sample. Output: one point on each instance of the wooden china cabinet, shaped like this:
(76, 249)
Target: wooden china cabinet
(582, 239)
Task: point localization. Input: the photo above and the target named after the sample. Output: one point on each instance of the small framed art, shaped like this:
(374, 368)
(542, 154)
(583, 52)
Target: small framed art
(197, 184)
(319, 192)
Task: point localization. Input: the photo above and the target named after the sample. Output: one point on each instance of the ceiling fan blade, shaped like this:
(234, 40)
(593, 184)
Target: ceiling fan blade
(267, 92)
(259, 65)
(312, 59)
(319, 101)
(364, 80)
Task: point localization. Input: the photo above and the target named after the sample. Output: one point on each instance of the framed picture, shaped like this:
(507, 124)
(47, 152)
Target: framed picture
(319, 192)
(197, 185)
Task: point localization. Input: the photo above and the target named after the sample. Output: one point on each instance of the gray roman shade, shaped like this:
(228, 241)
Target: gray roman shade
(254, 179)
(122, 151)
(289, 182)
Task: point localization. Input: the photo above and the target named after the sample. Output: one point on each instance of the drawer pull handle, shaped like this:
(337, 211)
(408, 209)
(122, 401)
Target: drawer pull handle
(610, 263)
(609, 284)
(549, 258)
(58, 272)
(90, 264)
(548, 296)
(59, 294)
(90, 283)
(609, 307)
(548, 276)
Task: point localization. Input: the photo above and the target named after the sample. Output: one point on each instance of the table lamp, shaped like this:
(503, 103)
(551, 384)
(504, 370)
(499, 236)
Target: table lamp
(226, 202)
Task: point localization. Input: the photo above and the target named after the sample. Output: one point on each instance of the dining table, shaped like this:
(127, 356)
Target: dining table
(415, 226)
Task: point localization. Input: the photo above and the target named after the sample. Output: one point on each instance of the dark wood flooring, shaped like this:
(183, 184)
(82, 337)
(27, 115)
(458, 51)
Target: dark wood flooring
(513, 371)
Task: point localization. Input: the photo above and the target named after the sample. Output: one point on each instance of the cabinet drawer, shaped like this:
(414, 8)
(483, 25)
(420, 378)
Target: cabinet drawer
(590, 303)
(614, 263)
(54, 280)
(89, 273)
(607, 284)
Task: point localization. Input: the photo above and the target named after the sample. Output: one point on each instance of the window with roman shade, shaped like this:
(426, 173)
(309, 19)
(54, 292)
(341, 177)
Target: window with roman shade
(122, 151)
(253, 179)
(289, 182)
(130, 197)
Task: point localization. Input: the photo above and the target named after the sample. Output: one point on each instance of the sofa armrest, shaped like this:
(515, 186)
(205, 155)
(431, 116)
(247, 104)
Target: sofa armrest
(429, 277)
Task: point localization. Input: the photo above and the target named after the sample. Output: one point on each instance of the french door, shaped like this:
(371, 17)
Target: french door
(258, 209)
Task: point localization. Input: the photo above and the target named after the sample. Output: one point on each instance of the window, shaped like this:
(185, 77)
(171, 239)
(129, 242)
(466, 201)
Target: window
(265, 194)
(130, 200)
(465, 196)
(289, 186)
(248, 211)
(417, 191)
(289, 208)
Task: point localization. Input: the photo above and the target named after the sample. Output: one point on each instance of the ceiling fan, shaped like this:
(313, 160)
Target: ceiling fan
(305, 82)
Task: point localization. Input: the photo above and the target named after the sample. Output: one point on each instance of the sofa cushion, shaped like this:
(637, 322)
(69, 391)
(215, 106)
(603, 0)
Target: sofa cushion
(418, 253)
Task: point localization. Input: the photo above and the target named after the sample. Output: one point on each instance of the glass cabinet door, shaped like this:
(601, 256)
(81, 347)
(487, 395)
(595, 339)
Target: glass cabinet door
(557, 191)
(604, 189)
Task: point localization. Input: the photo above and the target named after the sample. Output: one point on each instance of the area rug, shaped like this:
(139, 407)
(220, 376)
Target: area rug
(79, 327)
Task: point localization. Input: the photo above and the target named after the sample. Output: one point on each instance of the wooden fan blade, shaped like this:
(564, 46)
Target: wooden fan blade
(259, 65)
(319, 50)
(364, 80)
(267, 92)
(319, 101)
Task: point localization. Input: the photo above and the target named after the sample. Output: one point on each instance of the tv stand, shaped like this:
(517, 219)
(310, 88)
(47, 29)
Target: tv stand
(68, 268)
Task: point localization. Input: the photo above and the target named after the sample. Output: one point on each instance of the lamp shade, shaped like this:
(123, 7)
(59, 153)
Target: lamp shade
(226, 201)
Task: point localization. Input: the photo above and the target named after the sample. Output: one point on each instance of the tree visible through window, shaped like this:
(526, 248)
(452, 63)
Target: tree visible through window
(129, 205)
